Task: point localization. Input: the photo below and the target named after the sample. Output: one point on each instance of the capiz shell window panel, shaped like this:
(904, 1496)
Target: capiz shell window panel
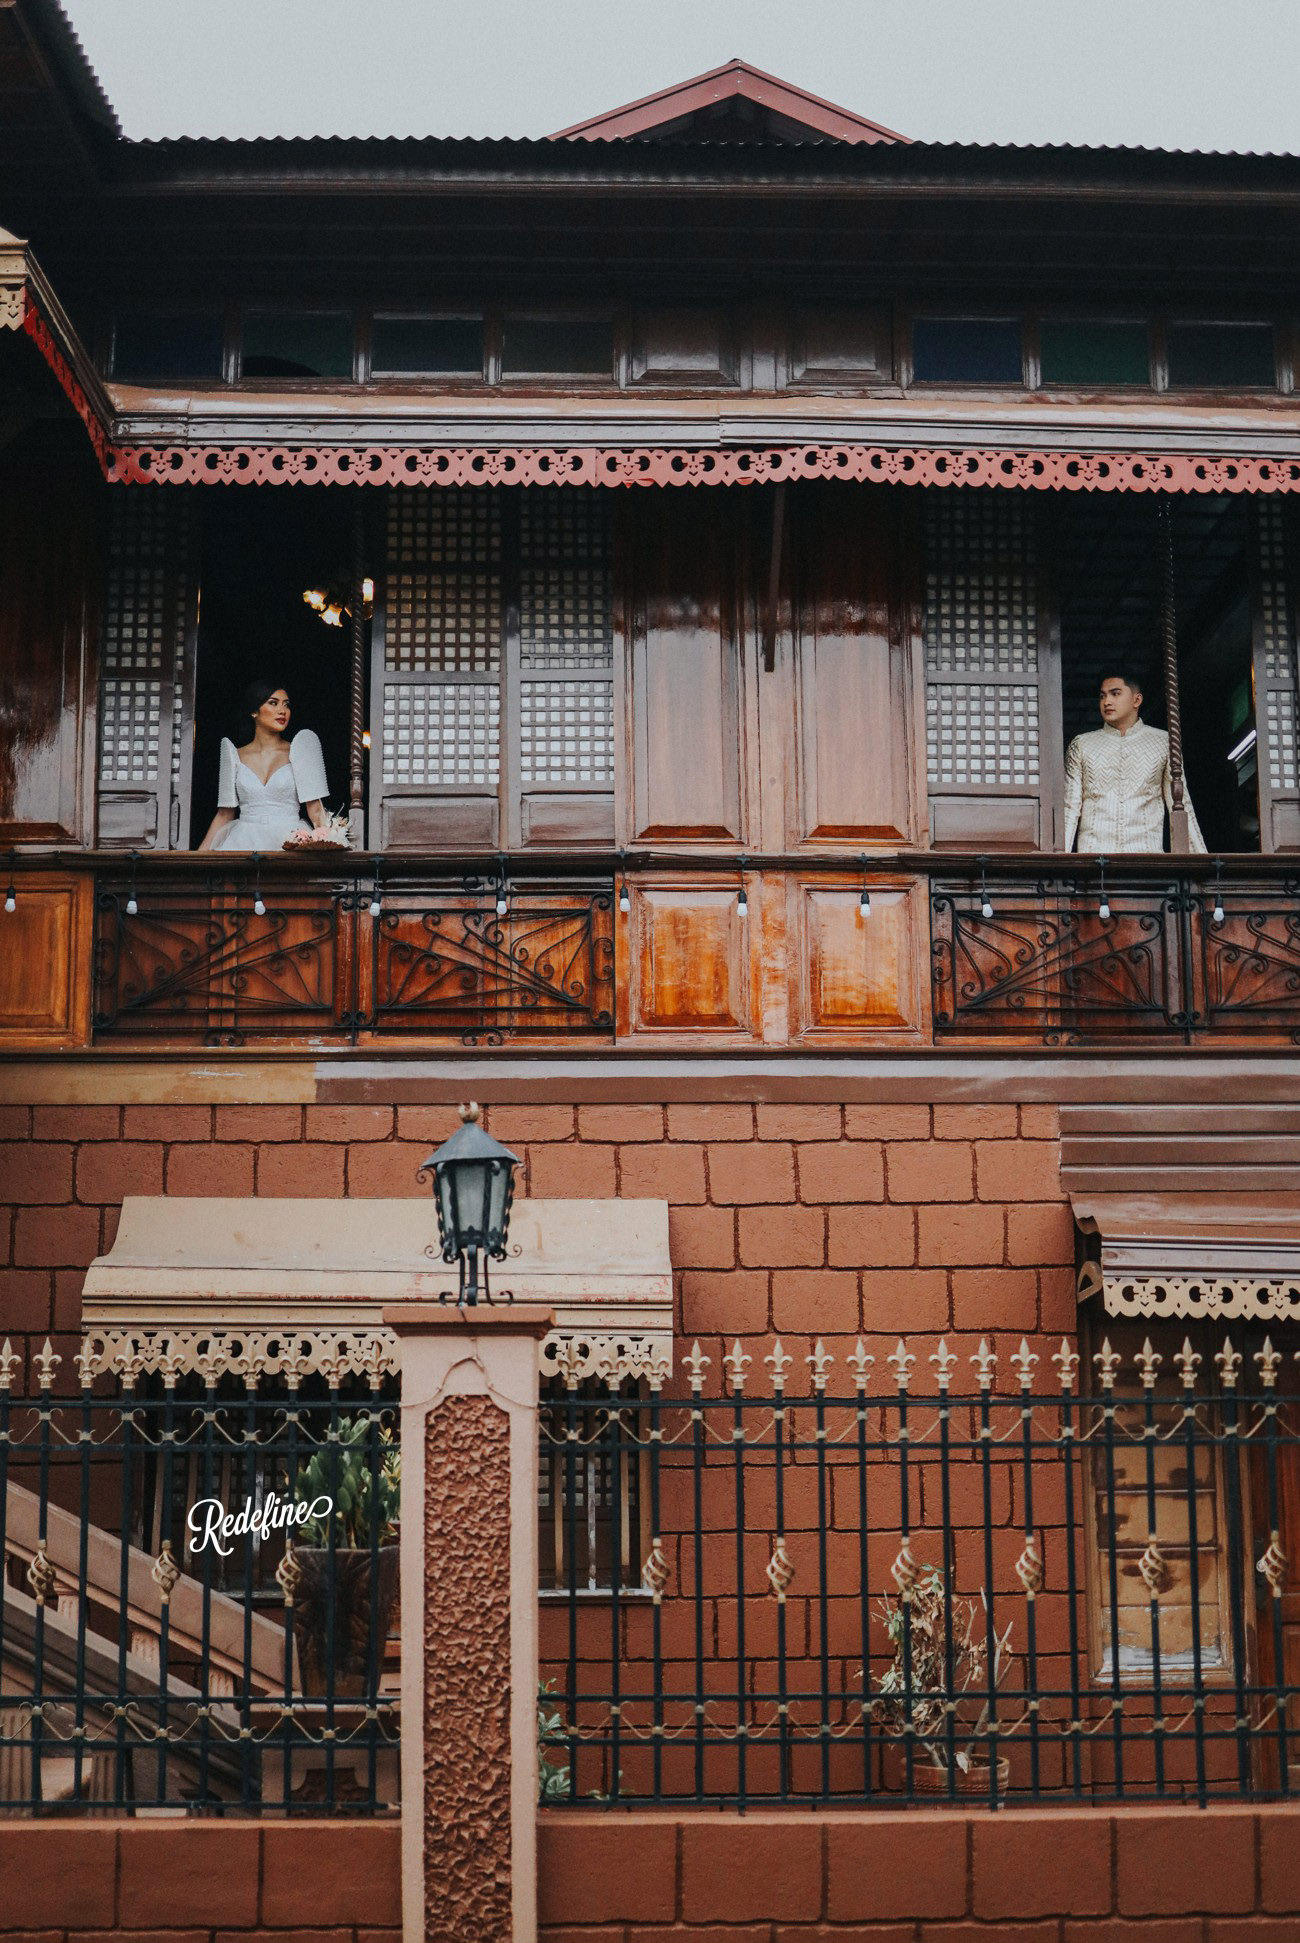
(989, 673)
(493, 669)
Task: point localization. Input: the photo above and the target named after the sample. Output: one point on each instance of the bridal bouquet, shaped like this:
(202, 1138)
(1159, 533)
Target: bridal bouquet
(331, 835)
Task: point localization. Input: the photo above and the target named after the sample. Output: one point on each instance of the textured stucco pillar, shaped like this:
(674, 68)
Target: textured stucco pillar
(469, 1621)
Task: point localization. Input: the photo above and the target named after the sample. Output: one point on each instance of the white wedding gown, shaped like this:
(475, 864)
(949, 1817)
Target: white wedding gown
(270, 811)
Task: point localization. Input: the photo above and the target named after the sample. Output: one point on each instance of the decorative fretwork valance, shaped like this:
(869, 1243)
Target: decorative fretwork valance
(286, 1289)
(1192, 1257)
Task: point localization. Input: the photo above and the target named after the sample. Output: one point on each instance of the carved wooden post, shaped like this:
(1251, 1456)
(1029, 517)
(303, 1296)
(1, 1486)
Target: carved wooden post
(469, 1621)
(1180, 841)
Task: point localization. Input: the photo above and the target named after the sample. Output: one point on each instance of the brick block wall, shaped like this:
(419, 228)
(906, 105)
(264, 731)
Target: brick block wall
(786, 1219)
(938, 1876)
(200, 1882)
(1218, 1875)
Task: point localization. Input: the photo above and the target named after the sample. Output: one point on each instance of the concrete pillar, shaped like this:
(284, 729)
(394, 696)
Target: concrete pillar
(469, 1621)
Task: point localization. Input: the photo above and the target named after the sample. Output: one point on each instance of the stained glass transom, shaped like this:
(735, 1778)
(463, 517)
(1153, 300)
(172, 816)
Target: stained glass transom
(566, 732)
(444, 733)
(983, 733)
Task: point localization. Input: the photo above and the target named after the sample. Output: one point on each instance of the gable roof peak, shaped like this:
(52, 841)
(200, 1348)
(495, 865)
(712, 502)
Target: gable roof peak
(735, 102)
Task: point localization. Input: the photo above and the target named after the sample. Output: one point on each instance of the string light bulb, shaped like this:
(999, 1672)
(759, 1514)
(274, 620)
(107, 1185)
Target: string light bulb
(376, 906)
(131, 906)
(624, 896)
(259, 908)
(742, 901)
(864, 901)
(986, 902)
(11, 895)
(1217, 914)
(1103, 908)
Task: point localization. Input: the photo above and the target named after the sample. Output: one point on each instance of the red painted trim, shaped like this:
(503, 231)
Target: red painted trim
(43, 338)
(386, 465)
(732, 78)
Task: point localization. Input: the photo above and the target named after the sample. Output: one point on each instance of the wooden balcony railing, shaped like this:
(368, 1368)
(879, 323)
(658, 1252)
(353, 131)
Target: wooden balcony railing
(1166, 950)
(909, 949)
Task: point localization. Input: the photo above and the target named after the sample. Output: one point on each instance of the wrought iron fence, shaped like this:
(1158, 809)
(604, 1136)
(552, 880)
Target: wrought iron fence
(241, 1663)
(930, 1576)
(225, 954)
(1101, 951)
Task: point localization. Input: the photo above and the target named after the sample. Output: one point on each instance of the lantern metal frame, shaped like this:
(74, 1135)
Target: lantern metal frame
(473, 1244)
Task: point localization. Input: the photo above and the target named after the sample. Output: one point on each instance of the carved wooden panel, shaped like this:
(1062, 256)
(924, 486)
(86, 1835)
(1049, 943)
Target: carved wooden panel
(679, 347)
(840, 347)
(858, 975)
(45, 962)
(689, 959)
(50, 507)
(686, 676)
(851, 681)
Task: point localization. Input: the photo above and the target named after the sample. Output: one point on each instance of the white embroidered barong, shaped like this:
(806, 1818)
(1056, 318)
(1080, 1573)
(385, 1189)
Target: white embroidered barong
(1117, 790)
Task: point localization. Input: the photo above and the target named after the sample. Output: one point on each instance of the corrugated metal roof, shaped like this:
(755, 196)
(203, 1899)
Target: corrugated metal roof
(62, 43)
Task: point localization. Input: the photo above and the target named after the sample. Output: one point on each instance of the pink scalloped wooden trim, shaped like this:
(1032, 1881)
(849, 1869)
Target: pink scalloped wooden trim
(388, 465)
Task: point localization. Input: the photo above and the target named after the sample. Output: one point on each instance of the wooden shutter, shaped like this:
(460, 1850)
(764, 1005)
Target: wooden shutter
(565, 669)
(436, 673)
(146, 702)
(992, 714)
(50, 515)
(492, 682)
(1277, 718)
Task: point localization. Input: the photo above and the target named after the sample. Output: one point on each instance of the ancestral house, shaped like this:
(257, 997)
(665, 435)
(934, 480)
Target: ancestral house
(762, 653)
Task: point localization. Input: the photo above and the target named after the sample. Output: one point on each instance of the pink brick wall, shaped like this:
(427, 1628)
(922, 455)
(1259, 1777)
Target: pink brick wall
(937, 1876)
(795, 1219)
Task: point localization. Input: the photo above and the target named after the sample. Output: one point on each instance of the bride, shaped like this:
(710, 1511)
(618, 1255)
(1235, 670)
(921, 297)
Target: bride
(264, 783)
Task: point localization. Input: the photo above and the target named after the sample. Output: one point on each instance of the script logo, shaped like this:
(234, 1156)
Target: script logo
(209, 1519)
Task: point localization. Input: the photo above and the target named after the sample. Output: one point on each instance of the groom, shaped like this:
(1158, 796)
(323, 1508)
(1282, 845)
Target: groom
(1117, 785)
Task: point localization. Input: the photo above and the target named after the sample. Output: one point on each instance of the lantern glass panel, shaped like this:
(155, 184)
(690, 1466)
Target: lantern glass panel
(469, 1192)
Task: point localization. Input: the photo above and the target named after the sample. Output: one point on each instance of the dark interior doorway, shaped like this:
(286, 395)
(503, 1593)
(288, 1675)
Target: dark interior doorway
(262, 548)
(1109, 578)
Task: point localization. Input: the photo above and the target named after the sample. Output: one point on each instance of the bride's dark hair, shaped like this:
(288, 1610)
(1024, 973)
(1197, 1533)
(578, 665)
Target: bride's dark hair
(258, 691)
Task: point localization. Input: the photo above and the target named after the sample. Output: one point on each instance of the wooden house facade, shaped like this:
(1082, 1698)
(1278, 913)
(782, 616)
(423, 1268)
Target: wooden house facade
(695, 539)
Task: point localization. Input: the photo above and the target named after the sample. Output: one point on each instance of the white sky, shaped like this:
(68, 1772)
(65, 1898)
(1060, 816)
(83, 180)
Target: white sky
(1211, 74)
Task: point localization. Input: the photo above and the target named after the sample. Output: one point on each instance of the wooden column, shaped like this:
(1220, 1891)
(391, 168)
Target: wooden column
(357, 723)
(469, 1621)
(1179, 834)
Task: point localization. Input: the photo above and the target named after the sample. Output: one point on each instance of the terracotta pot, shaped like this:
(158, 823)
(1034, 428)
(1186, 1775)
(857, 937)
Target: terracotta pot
(931, 1783)
(351, 1597)
(968, 1783)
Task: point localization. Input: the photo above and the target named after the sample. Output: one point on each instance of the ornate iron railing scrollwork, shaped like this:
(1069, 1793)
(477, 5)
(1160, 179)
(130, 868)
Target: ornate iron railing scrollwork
(1160, 964)
(197, 963)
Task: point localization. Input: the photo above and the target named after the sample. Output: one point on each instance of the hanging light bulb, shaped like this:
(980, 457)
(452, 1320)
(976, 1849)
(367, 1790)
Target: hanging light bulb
(624, 898)
(1218, 892)
(1103, 908)
(503, 901)
(315, 598)
(131, 906)
(742, 901)
(259, 908)
(1218, 910)
(333, 615)
(864, 901)
(986, 902)
(11, 897)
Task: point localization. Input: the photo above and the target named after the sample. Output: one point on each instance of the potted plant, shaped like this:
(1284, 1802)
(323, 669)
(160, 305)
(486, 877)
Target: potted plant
(945, 1719)
(347, 1494)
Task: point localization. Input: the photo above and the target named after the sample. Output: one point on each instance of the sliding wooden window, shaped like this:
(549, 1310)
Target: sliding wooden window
(492, 705)
(992, 678)
(146, 692)
(1277, 716)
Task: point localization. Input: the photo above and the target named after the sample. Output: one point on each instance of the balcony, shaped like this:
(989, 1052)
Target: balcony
(827, 952)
